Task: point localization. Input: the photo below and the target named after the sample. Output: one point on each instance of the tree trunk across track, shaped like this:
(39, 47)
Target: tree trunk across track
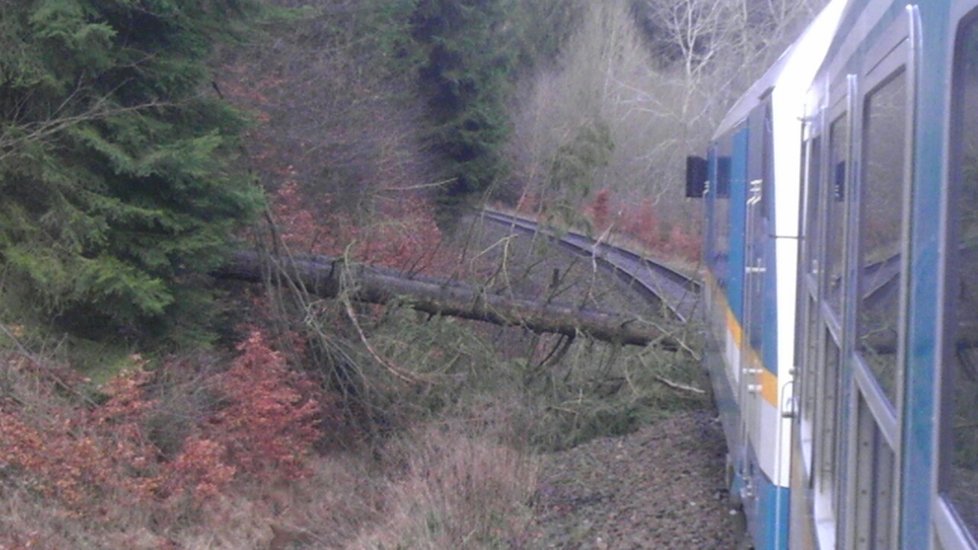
(330, 277)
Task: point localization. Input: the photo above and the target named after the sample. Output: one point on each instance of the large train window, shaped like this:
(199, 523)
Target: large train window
(721, 213)
(959, 468)
(836, 210)
(881, 229)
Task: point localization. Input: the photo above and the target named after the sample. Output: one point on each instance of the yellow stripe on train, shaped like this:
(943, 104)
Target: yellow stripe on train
(767, 379)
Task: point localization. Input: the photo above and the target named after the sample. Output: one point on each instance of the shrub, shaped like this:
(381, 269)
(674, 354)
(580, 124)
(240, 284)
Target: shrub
(599, 210)
(270, 421)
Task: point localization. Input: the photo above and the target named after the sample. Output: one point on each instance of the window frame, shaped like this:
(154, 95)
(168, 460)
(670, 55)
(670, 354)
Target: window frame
(808, 352)
(890, 58)
(949, 530)
(829, 495)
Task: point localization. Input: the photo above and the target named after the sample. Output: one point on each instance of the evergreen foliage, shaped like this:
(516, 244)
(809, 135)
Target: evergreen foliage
(468, 55)
(545, 27)
(576, 162)
(576, 166)
(470, 52)
(117, 161)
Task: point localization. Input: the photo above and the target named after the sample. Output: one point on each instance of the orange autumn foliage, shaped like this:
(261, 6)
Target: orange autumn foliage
(87, 456)
(407, 237)
(270, 422)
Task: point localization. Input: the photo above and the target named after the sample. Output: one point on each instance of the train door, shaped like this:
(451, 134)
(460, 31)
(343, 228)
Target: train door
(736, 290)
(826, 337)
(755, 259)
(806, 333)
(877, 297)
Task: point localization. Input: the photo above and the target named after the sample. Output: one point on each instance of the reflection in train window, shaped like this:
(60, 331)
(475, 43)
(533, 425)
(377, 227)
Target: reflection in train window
(960, 465)
(836, 221)
(880, 230)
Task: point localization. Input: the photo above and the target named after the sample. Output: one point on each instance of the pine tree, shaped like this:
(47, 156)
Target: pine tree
(118, 173)
(468, 56)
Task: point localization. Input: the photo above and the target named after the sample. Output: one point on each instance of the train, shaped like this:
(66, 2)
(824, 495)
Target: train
(840, 198)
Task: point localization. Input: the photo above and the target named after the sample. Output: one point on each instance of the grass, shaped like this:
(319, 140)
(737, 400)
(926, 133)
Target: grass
(99, 360)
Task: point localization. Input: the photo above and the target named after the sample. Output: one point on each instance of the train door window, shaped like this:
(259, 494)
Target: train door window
(881, 229)
(959, 466)
(808, 314)
(808, 378)
(873, 483)
(828, 417)
(836, 211)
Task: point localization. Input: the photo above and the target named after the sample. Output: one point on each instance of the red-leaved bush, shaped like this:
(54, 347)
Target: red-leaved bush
(270, 421)
(300, 227)
(200, 470)
(600, 210)
(86, 456)
(265, 426)
(405, 236)
(80, 456)
(529, 204)
(642, 223)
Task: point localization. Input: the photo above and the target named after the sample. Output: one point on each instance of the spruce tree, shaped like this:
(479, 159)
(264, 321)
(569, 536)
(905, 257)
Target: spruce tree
(118, 175)
(468, 56)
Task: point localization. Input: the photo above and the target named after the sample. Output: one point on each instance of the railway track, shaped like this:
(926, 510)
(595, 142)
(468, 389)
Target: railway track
(676, 291)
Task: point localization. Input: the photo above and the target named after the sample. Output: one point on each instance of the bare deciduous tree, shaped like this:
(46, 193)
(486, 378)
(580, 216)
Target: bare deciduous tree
(660, 74)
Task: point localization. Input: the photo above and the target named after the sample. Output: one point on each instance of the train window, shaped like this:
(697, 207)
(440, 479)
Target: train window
(809, 360)
(810, 357)
(721, 213)
(807, 349)
(828, 418)
(881, 229)
(812, 237)
(836, 211)
(723, 176)
(959, 468)
(767, 156)
(873, 483)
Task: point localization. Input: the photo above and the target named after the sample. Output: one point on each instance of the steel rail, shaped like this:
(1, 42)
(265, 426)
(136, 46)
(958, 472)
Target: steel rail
(679, 293)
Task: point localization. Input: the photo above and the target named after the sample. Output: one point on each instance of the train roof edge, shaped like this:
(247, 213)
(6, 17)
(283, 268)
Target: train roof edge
(817, 36)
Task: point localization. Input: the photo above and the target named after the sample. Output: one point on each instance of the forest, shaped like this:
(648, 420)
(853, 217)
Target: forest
(147, 403)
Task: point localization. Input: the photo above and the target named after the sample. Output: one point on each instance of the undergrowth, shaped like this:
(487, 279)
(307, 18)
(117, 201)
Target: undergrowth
(324, 423)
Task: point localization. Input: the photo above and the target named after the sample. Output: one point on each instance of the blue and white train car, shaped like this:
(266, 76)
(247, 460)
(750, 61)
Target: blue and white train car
(842, 286)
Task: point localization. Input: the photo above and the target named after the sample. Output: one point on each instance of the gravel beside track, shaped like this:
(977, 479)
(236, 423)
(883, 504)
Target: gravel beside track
(660, 487)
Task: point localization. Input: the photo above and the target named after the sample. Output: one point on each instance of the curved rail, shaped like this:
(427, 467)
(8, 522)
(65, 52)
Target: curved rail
(678, 292)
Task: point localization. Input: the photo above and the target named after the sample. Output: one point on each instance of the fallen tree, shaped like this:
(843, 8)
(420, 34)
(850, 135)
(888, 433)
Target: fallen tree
(329, 277)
